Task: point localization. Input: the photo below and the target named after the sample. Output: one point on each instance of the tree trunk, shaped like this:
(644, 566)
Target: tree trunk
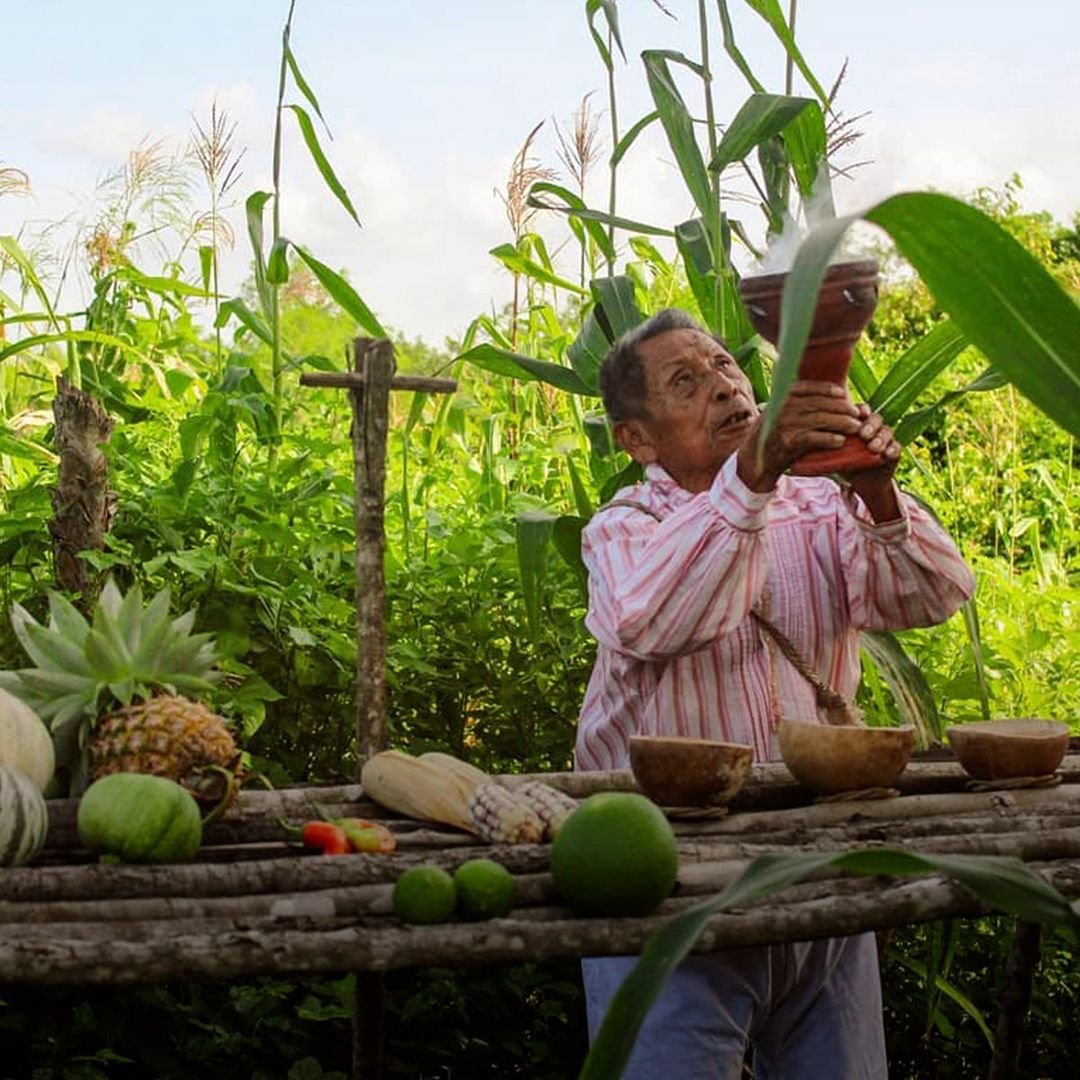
(82, 502)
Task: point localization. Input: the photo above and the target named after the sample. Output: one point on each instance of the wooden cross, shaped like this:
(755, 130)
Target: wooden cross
(369, 385)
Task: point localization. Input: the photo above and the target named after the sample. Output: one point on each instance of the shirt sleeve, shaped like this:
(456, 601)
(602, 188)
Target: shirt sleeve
(662, 588)
(903, 573)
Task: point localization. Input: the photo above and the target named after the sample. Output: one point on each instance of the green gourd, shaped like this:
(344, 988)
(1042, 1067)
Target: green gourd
(135, 817)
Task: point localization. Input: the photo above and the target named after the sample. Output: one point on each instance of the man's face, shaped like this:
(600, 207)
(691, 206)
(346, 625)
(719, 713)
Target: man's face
(700, 404)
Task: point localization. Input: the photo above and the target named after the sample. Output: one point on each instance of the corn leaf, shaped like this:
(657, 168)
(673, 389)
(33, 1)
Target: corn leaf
(770, 11)
(517, 263)
(253, 211)
(761, 117)
(596, 215)
(951, 991)
(862, 376)
(516, 366)
(343, 294)
(303, 87)
(236, 307)
(611, 16)
(10, 247)
(93, 337)
(616, 307)
(1002, 883)
(630, 137)
(916, 369)
(733, 50)
(679, 126)
(307, 130)
(915, 423)
(533, 530)
(908, 684)
(574, 204)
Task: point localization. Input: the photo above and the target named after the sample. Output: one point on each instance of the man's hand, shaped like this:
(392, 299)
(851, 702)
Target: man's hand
(874, 486)
(815, 416)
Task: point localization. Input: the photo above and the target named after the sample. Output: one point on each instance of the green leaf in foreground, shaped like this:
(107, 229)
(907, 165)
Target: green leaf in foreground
(1005, 884)
(1002, 299)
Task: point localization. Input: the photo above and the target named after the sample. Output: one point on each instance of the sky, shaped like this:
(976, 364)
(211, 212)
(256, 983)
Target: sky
(429, 101)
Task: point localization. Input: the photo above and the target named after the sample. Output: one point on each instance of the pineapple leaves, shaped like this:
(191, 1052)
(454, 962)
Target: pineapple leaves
(66, 619)
(128, 652)
(45, 647)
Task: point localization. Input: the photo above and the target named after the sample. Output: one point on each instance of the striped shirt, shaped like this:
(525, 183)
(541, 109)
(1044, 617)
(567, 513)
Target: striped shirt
(670, 602)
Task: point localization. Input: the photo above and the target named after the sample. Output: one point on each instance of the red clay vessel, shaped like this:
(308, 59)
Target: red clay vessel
(845, 304)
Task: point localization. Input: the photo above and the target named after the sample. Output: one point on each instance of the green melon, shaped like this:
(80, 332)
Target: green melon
(24, 818)
(615, 855)
(25, 743)
(140, 818)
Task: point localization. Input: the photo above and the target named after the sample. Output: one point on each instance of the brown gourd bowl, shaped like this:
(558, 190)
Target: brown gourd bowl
(1005, 749)
(677, 771)
(830, 759)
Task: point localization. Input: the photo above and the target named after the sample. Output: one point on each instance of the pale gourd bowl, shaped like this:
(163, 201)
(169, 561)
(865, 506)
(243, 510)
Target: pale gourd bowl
(830, 759)
(676, 771)
(1007, 749)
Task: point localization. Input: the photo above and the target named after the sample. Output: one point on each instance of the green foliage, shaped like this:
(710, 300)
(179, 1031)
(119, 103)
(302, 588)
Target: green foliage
(235, 489)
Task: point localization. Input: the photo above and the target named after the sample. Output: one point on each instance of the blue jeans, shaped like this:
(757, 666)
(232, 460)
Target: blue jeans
(810, 1010)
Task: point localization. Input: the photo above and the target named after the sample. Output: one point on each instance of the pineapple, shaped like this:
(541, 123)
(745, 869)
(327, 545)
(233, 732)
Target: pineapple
(111, 691)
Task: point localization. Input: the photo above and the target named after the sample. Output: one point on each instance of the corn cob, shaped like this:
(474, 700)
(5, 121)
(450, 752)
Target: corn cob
(455, 765)
(416, 788)
(552, 806)
(443, 788)
(498, 815)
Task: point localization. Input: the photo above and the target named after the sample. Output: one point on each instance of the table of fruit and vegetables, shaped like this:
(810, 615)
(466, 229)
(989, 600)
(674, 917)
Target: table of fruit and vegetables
(429, 861)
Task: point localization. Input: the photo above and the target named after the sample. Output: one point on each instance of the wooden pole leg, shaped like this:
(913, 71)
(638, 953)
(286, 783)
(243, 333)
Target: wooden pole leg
(367, 1025)
(1015, 1000)
(369, 385)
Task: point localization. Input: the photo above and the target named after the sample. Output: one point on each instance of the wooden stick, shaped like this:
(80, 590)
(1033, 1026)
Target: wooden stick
(1015, 1000)
(350, 380)
(374, 361)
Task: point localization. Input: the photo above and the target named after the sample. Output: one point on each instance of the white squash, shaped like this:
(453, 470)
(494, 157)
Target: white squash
(25, 742)
(24, 818)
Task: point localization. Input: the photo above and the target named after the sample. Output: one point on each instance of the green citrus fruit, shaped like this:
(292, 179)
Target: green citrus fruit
(615, 855)
(485, 889)
(424, 895)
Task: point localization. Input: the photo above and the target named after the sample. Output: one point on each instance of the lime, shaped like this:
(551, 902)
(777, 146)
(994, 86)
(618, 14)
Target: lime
(424, 895)
(485, 889)
(615, 855)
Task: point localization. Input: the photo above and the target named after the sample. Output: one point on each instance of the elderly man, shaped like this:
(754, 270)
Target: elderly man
(676, 566)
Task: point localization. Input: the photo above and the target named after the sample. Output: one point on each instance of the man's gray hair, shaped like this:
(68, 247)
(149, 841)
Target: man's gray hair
(622, 374)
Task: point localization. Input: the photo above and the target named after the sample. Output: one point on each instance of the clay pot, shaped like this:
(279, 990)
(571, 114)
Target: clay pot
(675, 771)
(846, 303)
(1005, 749)
(830, 759)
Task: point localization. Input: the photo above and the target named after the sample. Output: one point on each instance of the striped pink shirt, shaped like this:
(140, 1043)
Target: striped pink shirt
(669, 605)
